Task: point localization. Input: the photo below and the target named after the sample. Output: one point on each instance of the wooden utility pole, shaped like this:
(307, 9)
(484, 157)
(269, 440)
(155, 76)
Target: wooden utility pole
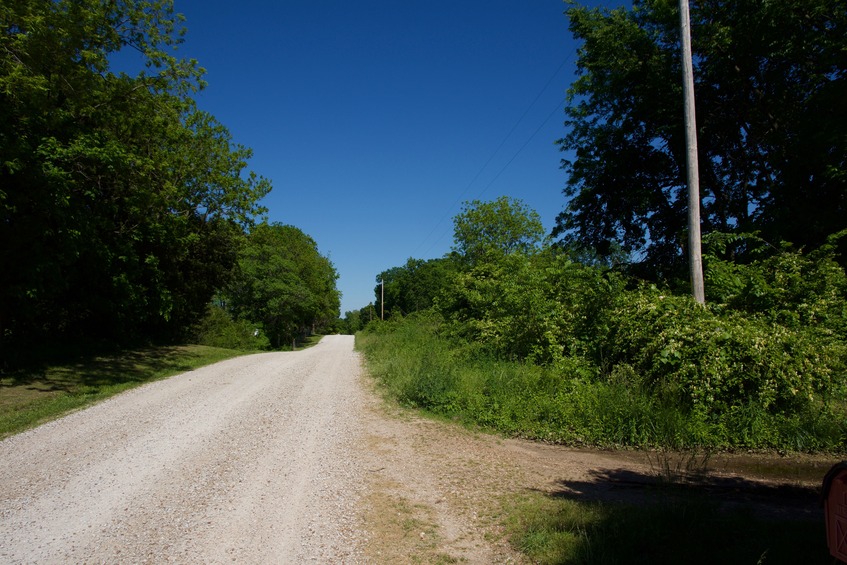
(382, 300)
(695, 257)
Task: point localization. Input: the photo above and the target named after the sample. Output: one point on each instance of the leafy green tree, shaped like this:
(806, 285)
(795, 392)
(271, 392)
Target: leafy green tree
(352, 322)
(770, 80)
(414, 286)
(357, 320)
(120, 202)
(284, 283)
(500, 227)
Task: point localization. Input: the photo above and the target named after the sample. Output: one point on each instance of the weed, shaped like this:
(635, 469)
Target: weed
(676, 467)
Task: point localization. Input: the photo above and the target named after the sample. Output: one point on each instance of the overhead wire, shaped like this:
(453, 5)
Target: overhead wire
(493, 154)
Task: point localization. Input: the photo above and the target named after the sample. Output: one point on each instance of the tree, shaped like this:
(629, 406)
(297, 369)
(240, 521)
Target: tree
(120, 202)
(770, 77)
(283, 283)
(500, 227)
(414, 286)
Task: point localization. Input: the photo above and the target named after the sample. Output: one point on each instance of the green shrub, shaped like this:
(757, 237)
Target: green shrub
(787, 287)
(218, 329)
(568, 403)
(541, 308)
(718, 362)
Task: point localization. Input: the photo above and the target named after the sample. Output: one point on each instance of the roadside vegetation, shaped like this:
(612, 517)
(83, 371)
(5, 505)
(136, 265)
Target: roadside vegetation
(591, 337)
(534, 344)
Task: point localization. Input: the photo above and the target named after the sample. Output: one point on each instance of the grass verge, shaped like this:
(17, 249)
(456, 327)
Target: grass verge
(688, 528)
(31, 397)
(572, 402)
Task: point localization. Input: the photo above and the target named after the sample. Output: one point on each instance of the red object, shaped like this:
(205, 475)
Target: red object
(834, 494)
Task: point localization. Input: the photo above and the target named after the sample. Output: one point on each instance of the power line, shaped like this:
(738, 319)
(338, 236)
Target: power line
(518, 152)
(493, 154)
(509, 162)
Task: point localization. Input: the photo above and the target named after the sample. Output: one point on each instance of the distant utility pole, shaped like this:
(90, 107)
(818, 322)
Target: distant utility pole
(695, 257)
(382, 299)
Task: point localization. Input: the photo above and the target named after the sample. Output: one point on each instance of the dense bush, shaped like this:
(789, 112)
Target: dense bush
(541, 307)
(573, 402)
(717, 362)
(219, 329)
(537, 345)
(782, 285)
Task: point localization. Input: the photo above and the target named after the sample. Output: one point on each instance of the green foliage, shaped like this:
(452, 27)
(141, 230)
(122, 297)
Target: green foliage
(500, 227)
(356, 320)
(770, 77)
(717, 365)
(121, 204)
(218, 329)
(503, 307)
(787, 287)
(414, 286)
(541, 307)
(284, 283)
(566, 402)
(536, 345)
(531, 343)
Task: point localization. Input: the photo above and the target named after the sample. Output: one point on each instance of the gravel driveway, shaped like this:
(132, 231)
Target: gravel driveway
(245, 461)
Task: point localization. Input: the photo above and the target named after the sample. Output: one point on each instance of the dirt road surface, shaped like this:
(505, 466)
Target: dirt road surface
(244, 461)
(284, 458)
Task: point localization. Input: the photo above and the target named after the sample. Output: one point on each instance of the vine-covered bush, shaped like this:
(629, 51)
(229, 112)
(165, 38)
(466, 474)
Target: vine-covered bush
(539, 308)
(803, 291)
(716, 362)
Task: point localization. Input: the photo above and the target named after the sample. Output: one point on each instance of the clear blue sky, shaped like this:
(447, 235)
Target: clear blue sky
(376, 119)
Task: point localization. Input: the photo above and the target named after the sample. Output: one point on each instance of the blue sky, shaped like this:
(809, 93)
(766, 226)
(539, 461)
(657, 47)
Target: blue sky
(376, 119)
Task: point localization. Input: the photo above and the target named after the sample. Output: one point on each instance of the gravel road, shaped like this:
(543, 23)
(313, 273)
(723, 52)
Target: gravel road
(251, 460)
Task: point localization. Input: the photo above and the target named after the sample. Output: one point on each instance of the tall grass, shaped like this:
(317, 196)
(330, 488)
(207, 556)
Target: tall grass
(568, 402)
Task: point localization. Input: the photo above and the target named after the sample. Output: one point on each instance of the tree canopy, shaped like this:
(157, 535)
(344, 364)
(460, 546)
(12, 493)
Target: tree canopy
(120, 202)
(499, 227)
(414, 286)
(770, 80)
(283, 283)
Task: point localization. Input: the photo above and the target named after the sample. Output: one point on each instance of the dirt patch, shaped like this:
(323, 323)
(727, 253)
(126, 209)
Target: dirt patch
(436, 492)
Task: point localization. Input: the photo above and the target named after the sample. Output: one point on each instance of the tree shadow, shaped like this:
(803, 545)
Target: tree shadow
(626, 516)
(766, 499)
(98, 371)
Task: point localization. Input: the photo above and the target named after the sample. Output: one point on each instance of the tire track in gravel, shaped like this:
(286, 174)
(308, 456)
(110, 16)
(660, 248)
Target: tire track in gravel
(248, 460)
